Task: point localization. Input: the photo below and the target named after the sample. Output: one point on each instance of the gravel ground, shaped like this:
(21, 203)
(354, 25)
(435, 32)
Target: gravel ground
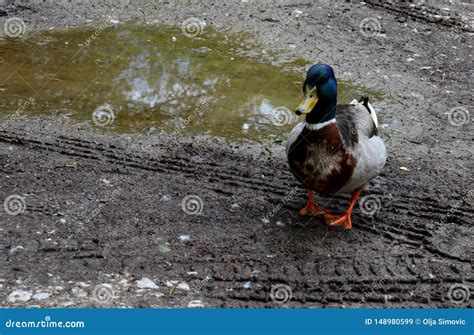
(101, 222)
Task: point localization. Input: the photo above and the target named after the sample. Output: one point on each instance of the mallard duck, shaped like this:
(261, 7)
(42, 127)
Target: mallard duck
(337, 148)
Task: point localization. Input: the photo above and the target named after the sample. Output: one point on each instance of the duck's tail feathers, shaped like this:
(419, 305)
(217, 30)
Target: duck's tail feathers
(364, 101)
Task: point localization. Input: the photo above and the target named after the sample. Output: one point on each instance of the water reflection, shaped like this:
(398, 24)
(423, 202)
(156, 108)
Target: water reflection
(151, 81)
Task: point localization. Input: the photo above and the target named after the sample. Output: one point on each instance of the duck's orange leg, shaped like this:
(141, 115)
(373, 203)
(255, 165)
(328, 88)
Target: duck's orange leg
(312, 207)
(344, 219)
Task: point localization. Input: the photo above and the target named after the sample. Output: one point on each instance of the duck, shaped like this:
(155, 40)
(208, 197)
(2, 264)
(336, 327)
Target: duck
(336, 149)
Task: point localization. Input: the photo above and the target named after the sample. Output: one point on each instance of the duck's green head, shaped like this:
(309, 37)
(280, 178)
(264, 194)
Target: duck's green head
(320, 93)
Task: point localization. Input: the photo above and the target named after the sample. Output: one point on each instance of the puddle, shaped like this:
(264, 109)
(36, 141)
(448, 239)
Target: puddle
(153, 78)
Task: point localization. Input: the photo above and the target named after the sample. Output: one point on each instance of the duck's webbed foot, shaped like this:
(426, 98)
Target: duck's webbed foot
(312, 207)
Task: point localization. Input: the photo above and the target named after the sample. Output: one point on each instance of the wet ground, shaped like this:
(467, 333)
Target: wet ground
(108, 218)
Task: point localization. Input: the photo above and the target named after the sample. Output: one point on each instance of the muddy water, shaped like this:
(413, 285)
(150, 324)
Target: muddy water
(146, 79)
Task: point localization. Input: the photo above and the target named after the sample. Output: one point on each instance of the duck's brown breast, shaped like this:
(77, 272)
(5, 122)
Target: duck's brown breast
(320, 161)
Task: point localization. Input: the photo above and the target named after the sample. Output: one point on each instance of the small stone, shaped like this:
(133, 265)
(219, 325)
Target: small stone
(192, 273)
(174, 38)
(183, 286)
(184, 238)
(247, 285)
(15, 250)
(146, 283)
(41, 296)
(105, 181)
(165, 198)
(79, 292)
(171, 283)
(409, 60)
(164, 248)
(403, 168)
(195, 304)
(67, 303)
(297, 12)
(19, 295)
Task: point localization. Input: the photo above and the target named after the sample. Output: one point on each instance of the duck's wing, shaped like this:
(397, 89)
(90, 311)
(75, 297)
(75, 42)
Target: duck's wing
(357, 119)
(357, 123)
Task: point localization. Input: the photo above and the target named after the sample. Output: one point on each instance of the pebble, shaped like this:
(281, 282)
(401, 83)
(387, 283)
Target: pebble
(248, 285)
(41, 296)
(195, 304)
(184, 238)
(297, 12)
(165, 198)
(67, 303)
(164, 248)
(146, 283)
(14, 250)
(171, 283)
(79, 292)
(183, 286)
(105, 181)
(19, 295)
(192, 273)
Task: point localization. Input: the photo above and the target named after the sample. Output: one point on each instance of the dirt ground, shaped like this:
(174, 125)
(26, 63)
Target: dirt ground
(103, 211)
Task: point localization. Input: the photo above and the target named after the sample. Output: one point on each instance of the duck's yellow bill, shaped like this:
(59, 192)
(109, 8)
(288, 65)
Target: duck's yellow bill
(308, 103)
